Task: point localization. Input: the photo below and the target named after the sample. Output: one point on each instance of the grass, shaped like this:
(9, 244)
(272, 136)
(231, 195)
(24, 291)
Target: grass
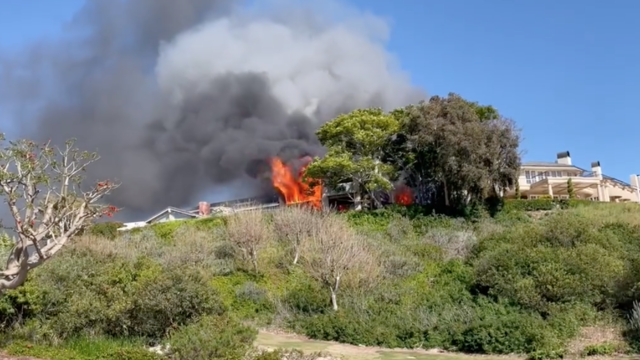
(84, 349)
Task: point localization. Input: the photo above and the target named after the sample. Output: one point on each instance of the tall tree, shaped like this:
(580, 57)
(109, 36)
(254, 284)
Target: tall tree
(570, 189)
(355, 143)
(49, 202)
(456, 149)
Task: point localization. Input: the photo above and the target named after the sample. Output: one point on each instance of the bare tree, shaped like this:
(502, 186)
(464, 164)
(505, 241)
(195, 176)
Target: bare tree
(47, 200)
(332, 252)
(248, 231)
(295, 224)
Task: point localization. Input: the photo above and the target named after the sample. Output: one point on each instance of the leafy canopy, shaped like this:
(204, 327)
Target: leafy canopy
(355, 144)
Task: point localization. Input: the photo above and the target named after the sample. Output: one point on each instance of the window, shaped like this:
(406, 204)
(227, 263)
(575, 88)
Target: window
(534, 197)
(535, 176)
(527, 175)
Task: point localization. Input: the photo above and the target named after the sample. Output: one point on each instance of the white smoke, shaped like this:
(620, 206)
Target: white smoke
(338, 63)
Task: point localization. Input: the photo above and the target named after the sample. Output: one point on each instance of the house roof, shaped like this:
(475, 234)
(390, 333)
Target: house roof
(268, 199)
(548, 164)
(172, 209)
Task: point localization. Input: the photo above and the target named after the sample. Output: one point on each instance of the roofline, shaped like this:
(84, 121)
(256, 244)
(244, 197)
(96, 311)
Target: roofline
(171, 209)
(552, 165)
(606, 177)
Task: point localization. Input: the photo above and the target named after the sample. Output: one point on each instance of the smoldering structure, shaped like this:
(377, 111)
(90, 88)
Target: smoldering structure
(189, 99)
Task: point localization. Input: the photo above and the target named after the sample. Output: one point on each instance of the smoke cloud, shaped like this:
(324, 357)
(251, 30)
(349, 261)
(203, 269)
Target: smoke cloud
(179, 97)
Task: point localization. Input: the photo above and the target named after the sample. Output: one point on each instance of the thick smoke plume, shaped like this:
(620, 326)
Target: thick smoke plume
(178, 97)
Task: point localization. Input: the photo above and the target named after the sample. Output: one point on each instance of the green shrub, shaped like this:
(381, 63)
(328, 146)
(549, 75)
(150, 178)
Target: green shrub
(560, 260)
(164, 230)
(529, 205)
(306, 298)
(208, 223)
(544, 204)
(504, 330)
(212, 337)
(599, 349)
(85, 349)
(546, 354)
(108, 230)
(252, 301)
(80, 293)
(164, 300)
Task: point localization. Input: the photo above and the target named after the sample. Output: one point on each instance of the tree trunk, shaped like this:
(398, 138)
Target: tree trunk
(296, 256)
(334, 300)
(254, 260)
(334, 291)
(446, 193)
(357, 200)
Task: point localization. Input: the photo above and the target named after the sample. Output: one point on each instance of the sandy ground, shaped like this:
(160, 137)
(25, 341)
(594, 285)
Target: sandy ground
(7, 357)
(271, 340)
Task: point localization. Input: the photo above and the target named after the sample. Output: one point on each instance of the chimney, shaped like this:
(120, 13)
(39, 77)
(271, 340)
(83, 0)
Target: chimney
(563, 158)
(204, 208)
(635, 182)
(596, 169)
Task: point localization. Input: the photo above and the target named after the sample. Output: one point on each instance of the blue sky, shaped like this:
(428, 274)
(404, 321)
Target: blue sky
(566, 71)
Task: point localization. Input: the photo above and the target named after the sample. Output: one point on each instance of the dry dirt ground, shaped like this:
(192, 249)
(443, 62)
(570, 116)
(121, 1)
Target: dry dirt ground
(7, 357)
(272, 340)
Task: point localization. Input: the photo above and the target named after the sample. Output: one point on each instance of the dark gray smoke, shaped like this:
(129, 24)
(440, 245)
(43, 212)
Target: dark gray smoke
(179, 97)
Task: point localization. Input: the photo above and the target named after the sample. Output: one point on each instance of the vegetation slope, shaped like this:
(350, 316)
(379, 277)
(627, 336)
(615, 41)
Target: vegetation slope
(518, 282)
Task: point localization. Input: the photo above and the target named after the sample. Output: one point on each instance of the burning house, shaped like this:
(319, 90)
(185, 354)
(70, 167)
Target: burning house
(284, 184)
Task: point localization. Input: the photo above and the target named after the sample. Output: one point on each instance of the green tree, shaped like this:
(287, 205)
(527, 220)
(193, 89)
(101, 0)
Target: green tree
(455, 150)
(355, 144)
(48, 200)
(570, 190)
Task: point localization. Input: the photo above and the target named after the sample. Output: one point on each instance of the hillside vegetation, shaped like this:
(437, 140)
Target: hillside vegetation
(514, 283)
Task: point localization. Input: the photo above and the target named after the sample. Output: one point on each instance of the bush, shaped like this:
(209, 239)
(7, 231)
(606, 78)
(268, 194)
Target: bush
(107, 230)
(544, 204)
(252, 301)
(85, 349)
(109, 296)
(599, 350)
(212, 337)
(501, 330)
(164, 300)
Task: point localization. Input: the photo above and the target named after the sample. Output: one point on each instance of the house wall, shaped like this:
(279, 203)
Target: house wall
(607, 190)
(624, 194)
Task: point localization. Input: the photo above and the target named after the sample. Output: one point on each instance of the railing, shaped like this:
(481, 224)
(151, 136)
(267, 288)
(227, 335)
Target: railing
(545, 175)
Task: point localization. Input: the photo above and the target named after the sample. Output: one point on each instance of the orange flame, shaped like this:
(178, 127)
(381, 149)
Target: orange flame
(403, 195)
(291, 186)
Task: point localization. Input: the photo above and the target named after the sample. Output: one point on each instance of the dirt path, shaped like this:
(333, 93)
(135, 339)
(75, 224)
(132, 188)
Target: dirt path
(7, 357)
(272, 340)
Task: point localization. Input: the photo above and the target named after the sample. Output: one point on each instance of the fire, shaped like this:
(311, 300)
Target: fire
(291, 186)
(403, 195)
